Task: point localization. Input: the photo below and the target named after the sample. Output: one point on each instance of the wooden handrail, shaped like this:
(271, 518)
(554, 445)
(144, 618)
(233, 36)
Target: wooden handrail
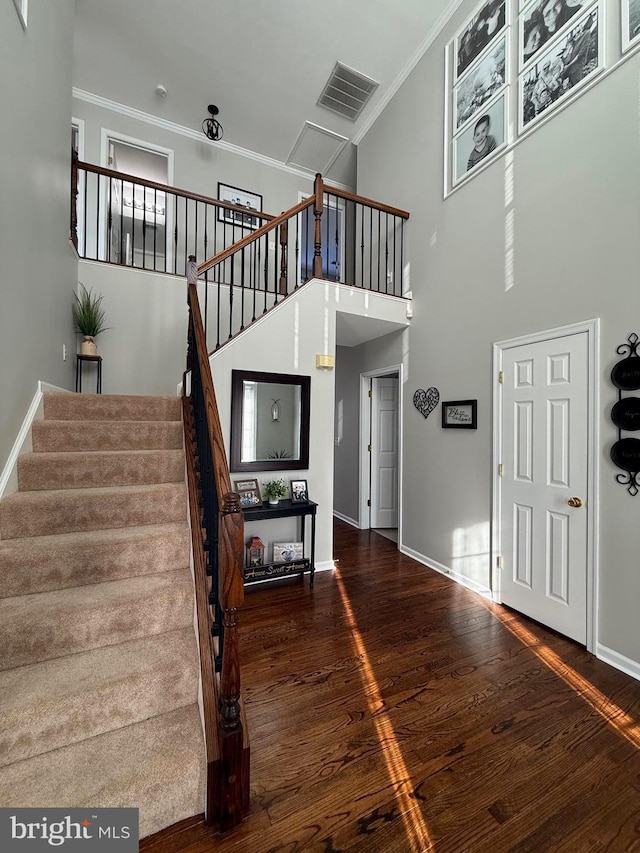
(254, 236)
(228, 767)
(166, 188)
(367, 202)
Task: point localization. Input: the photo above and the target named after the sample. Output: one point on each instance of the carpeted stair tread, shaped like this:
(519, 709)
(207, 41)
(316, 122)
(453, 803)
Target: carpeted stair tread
(25, 514)
(103, 407)
(46, 563)
(76, 436)
(49, 625)
(155, 765)
(45, 706)
(87, 470)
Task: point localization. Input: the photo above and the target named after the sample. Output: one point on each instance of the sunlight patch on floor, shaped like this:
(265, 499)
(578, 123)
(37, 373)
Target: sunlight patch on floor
(608, 710)
(415, 827)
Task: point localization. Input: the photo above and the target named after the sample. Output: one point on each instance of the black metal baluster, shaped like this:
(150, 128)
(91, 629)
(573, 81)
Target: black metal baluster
(370, 248)
(144, 227)
(120, 259)
(379, 251)
(217, 269)
(254, 275)
(337, 275)
(98, 258)
(242, 290)
(231, 289)
(266, 270)
(109, 220)
(155, 227)
(175, 237)
(362, 210)
(386, 251)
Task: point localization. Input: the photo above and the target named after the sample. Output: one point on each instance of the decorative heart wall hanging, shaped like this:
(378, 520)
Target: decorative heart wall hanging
(426, 401)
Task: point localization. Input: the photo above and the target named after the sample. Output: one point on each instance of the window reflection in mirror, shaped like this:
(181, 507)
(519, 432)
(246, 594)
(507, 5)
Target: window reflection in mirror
(269, 421)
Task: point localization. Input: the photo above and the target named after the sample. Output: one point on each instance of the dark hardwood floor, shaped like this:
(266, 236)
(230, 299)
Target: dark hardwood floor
(392, 710)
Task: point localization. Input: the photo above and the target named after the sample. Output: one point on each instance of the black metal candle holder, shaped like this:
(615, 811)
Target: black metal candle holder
(625, 414)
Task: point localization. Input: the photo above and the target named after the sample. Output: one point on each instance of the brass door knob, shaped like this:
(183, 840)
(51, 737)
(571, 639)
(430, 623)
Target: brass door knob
(575, 502)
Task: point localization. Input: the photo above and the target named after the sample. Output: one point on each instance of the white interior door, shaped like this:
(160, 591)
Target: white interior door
(545, 445)
(384, 452)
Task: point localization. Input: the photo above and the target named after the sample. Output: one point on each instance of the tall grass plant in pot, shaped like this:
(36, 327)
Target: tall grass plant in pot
(88, 318)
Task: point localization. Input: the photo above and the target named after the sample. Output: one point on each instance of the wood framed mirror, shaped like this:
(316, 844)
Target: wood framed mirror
(269, 421)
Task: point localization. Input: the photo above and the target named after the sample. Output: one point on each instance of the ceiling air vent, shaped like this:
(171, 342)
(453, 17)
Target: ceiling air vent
(346, 92)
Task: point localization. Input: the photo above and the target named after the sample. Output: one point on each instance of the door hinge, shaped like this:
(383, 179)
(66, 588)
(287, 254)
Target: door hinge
(369, 448)
(500, 470)
(111, 161)
(370, 392)
(369, 502)
(501, 377)
(500, 562)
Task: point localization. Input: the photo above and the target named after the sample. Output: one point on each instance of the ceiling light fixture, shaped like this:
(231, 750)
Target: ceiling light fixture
(211, 127)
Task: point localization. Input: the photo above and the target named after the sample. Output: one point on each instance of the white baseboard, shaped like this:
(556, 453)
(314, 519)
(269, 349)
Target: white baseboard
(346, 519)
(485, 592)
(325, 566)
(615, 659)
(22, 444)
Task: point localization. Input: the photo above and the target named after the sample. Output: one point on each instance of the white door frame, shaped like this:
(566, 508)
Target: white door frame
(592, 329)
(106, 136)
(365, 432)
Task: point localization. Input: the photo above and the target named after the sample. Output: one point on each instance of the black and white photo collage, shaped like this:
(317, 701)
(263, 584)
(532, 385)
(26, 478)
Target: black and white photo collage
(560, 46)
(480, 85)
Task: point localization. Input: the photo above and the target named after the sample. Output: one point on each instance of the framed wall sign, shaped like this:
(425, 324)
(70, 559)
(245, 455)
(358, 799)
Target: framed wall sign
(242, 198)
(460, 414)
(287, 552)
(249, 491)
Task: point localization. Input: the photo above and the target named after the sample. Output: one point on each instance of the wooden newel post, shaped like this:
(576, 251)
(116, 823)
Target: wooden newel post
(192, 270)
(284, 239)
(74, 198)
(317, 238)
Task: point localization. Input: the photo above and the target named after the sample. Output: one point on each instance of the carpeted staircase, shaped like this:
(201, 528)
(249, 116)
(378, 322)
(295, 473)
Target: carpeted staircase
(98, 660)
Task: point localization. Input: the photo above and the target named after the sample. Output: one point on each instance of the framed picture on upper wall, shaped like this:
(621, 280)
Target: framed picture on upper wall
(482, 82)
(563, 67)
(630, 23)
(488, 20)
(542, 21)
(241, 198)
(485, 135)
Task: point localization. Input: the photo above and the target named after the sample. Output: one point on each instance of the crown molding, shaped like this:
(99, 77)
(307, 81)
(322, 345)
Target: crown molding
(411, 63)
(190, 133)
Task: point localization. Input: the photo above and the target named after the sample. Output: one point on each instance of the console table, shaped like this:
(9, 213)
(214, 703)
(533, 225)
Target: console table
(284, 509)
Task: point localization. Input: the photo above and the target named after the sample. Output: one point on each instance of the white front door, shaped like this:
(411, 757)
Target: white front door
(543, 487)
(384, 452)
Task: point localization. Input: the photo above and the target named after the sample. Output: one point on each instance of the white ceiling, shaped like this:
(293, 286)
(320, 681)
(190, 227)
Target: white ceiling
(264, 63)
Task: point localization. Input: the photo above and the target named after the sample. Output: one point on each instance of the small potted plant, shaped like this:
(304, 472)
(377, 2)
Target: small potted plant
(274, 490)
(88, 318)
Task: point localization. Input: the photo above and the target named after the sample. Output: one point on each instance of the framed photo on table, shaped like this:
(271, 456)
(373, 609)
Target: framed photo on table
(299, 492)
(249, 491)
(287, 552)
(242, 198)
(460, 414)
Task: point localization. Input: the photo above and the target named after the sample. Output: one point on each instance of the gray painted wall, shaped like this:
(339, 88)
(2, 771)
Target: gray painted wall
(351, 362)
(576, 255)
(39, 270)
